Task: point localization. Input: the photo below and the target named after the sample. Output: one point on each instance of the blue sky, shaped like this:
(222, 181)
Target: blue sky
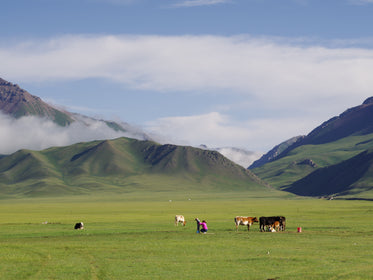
(242, 73)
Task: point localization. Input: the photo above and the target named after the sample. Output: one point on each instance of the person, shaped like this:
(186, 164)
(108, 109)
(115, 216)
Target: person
(198, 224)
(202, 224)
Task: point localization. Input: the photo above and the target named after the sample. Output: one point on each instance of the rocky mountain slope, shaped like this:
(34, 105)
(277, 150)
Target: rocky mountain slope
(17, 102)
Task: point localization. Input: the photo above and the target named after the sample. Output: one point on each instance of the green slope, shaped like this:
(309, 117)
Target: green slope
(347, 178)
(121, 165)
(306, 159)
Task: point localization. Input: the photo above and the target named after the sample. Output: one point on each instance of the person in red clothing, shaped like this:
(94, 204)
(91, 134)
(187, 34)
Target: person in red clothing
(202, 224)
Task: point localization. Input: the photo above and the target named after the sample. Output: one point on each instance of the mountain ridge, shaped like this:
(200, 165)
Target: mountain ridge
(314, 164)
(353, 121)
(17, 102)
(121, 165)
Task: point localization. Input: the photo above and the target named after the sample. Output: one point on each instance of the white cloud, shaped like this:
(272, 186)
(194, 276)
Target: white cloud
(269, 73)
(116, 2)
(216, 130)
(263, 68)
(195, 3)
(240, 156)
(360, 2)
(37, 134)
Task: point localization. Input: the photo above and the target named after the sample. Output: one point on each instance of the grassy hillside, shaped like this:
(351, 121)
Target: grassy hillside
(305, 159)
(338, 179)
(121, 165)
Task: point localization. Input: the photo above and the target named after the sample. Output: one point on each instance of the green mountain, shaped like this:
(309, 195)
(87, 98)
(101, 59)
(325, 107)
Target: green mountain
(314, 164)
(275, 152)
(352, 178)
(121, 165)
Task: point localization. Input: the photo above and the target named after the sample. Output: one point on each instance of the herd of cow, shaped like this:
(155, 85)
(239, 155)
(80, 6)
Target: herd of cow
(273, 223)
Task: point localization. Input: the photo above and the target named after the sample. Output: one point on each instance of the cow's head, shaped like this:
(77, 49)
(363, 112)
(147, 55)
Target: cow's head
(255, 220)
(184, 223)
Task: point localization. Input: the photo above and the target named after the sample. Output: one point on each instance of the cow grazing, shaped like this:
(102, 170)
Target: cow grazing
(266, 223)
(79, 225)
(245, 221)
(180, 219)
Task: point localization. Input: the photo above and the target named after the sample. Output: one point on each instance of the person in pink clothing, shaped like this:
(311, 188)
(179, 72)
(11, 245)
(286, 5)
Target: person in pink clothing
(203, 226)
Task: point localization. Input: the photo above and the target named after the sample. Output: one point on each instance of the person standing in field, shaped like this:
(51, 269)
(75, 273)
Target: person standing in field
(202, 225)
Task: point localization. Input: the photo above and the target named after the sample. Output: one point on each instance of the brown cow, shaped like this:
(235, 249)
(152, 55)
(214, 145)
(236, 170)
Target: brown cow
(239, 220)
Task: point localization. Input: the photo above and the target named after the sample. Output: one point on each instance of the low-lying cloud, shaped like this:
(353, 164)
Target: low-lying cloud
(216, 130)
(37, 133)
(240, 156)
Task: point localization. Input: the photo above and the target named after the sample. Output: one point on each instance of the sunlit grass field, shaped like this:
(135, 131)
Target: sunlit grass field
(134, 237)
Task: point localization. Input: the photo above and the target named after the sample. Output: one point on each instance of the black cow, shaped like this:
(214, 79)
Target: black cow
(269, 221)
(79, 225)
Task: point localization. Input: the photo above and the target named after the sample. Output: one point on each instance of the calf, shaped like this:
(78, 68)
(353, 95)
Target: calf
(180, 219)
(275, 227)
(245, 221)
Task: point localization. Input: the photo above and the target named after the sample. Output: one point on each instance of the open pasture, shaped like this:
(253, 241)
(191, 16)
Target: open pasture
(134, 237)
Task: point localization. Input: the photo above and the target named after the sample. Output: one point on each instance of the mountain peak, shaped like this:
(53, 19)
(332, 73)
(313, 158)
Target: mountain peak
(17, 102)
(368, 101)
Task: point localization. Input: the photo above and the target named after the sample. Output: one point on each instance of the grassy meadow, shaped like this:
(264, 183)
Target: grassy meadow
(133, 236)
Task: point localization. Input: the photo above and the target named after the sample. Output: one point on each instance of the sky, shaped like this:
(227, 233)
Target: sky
(224, 73)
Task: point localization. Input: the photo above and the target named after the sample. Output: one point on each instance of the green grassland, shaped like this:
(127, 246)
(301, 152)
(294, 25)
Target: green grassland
(132, 236)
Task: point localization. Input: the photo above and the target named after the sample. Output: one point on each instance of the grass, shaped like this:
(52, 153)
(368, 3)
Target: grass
(133, 237)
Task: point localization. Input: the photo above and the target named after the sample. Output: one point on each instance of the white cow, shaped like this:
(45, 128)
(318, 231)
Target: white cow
(180, 219)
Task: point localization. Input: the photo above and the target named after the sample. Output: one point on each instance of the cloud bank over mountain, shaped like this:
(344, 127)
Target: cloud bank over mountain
(36, 133)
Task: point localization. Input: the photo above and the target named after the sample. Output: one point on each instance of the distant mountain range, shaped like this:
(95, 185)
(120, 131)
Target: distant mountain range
(333, 160)
(118, 165)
